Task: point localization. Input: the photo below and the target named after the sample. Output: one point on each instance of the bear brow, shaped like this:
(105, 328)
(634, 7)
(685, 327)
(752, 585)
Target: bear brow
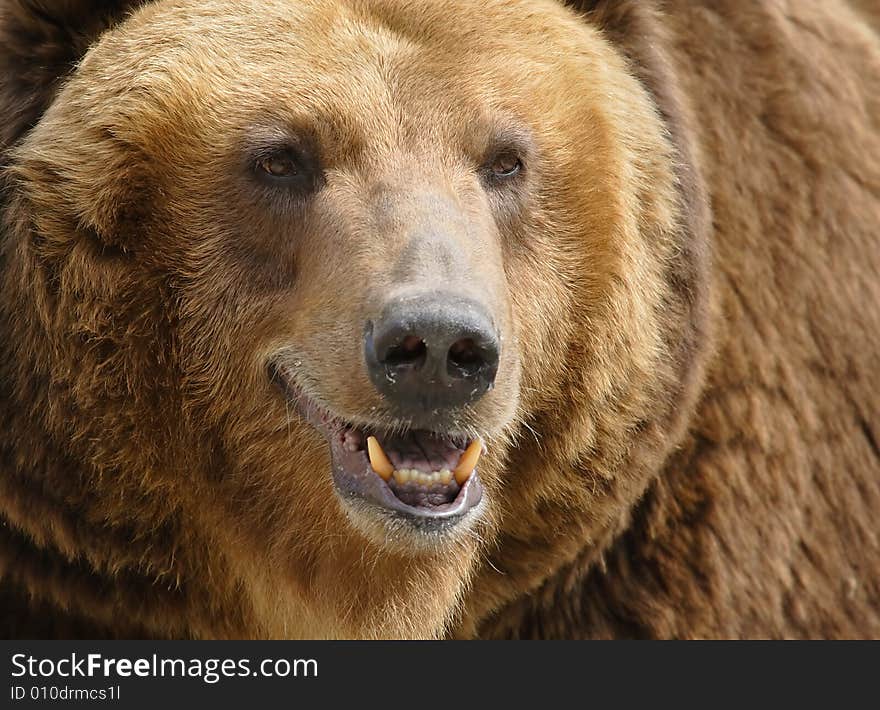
(505, 134)
(320, 135)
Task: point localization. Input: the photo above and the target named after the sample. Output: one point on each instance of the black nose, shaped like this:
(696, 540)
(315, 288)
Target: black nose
(432, 351)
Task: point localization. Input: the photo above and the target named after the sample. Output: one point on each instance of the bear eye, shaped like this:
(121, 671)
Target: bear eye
(506, 165)
(288, 168)
(503, 166)
(282, 164)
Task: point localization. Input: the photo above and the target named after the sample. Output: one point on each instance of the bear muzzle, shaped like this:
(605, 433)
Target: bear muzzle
(431, 351)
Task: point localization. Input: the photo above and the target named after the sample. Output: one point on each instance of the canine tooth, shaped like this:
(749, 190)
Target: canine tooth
(378, 460)
(468, 461)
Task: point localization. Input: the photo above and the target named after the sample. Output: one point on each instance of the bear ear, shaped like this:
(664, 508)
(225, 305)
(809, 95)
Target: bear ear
(40, 42)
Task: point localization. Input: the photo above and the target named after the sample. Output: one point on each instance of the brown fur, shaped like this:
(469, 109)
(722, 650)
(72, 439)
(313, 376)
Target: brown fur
(679, 446)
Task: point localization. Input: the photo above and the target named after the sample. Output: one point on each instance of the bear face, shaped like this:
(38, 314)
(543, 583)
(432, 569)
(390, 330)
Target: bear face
(244, 234)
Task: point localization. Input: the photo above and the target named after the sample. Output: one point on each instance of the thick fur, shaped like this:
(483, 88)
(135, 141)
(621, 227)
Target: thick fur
(760, 525)
(683, 438)
(42, 41)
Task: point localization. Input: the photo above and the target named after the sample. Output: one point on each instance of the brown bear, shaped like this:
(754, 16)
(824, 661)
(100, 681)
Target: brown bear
(383, 318)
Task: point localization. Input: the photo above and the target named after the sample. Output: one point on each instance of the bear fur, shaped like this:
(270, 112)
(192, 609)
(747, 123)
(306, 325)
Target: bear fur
(683, 439)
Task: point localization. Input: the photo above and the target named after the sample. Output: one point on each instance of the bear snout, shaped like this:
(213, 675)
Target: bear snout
(432, 351)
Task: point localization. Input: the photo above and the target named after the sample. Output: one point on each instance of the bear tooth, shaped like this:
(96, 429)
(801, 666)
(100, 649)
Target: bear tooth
(378, 460)
(468, 461)
(445, 476)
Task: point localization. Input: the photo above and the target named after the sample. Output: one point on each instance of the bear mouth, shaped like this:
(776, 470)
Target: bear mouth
(420, 474)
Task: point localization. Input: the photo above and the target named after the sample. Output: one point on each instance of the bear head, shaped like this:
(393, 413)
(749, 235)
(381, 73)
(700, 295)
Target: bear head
(333, 318)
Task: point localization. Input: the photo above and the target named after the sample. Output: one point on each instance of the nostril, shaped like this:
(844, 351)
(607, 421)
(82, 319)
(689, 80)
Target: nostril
(411, 351)
(465, 357)
(431, 352)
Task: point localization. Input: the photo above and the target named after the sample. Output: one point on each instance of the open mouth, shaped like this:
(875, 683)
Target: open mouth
(422, 474)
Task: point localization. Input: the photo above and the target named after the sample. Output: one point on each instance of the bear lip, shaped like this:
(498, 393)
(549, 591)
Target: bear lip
(354, 477)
